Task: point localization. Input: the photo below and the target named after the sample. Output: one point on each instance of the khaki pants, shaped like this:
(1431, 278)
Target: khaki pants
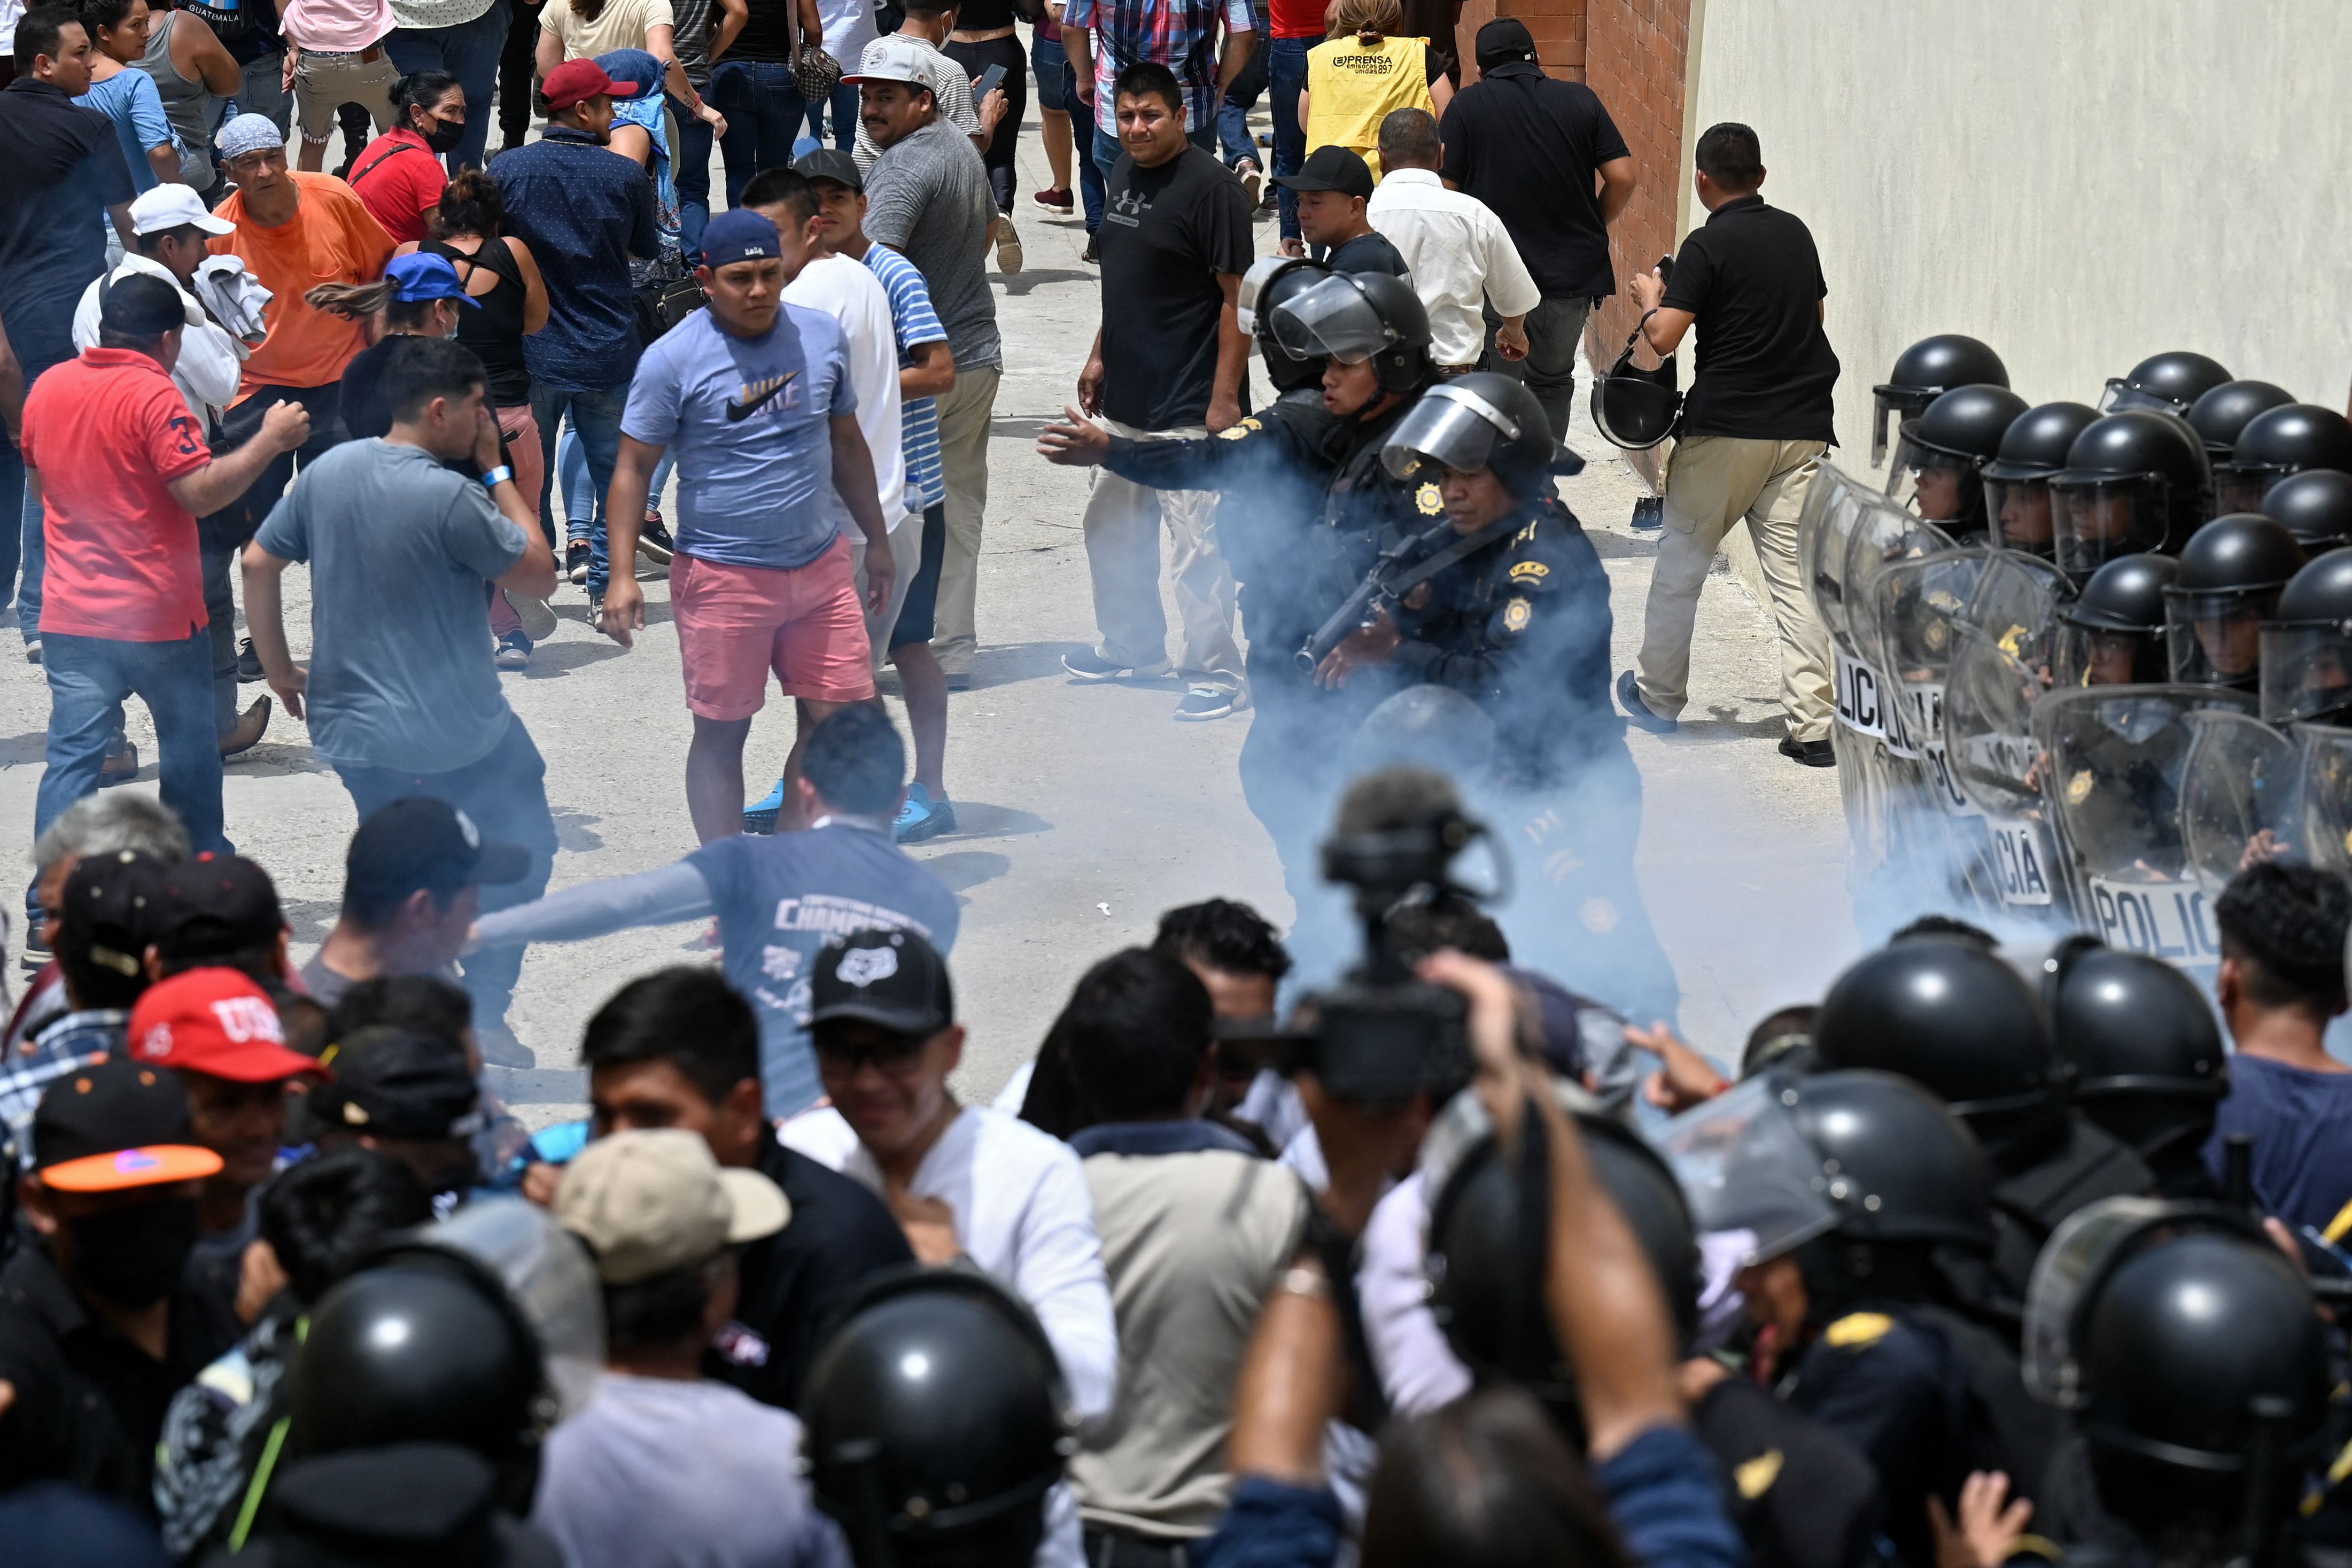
(1712, 483)
(1122, 526)
(965, 410)
(906, 558)
(324, 82)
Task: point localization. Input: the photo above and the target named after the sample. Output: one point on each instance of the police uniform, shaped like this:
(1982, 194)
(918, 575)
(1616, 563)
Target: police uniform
(1801, 1495)
(2087, 1163)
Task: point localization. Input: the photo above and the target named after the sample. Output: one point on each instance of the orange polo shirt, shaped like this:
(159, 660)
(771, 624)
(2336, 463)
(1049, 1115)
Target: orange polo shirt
(331, 238)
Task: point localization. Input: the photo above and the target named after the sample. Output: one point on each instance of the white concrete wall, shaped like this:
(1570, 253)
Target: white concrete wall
(2079, 182)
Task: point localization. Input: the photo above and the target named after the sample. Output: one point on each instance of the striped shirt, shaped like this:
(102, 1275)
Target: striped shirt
(1179, 34)
(914, 321)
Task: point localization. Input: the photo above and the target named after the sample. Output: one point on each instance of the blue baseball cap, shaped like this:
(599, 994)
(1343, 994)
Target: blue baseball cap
(418, 278)
(739, 235)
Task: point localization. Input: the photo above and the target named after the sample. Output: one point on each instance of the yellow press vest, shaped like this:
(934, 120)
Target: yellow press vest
(1352, 86)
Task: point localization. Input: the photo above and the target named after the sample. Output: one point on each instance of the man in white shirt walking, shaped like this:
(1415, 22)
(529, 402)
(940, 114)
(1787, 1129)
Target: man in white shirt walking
(1463, 263)
(964, 1180)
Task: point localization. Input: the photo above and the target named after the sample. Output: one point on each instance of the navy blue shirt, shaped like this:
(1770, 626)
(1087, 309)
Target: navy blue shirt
(66, 168)
(2302, 1163)
(584, 210)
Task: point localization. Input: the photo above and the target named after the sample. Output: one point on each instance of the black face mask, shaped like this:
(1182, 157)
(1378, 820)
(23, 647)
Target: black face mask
(133, 1257)
(444, 137)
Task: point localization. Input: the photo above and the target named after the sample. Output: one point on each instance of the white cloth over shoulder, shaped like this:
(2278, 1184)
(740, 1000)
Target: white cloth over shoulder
(235, 296)
(212, 360)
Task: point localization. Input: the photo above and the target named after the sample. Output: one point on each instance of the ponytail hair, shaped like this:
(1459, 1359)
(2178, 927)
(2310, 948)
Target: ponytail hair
(364, 302)
(470, 204)
(419, 89)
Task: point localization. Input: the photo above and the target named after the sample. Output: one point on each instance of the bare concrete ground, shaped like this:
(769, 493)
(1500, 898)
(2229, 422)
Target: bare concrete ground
(1083, 812)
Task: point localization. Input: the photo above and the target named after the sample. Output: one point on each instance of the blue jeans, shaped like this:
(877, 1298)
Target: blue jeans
(12, 504)
(763, 111)
(844, 116)
(1082, 126)
(580, 506)
(36, 560)
(596, 416)
(90, 678)
(691, 172)
(468, 52)
(505, 793)
(1233, 110)
(1286, 66)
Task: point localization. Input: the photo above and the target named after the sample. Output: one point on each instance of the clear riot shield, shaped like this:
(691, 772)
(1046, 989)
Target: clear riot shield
(2238, 797)
(1882, 533)
(1989, 748)
(1834, 506)
(2325, 777)
(2116, 760)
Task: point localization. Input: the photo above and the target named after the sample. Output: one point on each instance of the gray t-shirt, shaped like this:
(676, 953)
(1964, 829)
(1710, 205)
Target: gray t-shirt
(928, 199)
(402, 552)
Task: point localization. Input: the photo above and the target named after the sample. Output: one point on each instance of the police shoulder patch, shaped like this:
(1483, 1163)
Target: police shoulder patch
(1530, 572)
(1517, 614)
(1429, 498)
(1856, 1329)
(1755, 1477)
(1239, 432)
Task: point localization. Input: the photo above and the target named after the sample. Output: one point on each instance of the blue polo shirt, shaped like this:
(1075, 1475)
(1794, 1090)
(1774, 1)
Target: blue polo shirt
(583, 210)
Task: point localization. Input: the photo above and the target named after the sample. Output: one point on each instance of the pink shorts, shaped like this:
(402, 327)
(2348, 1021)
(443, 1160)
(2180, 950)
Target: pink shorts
(735, 623)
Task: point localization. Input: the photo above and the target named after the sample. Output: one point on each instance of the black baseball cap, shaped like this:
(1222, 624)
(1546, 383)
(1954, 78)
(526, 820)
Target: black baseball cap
(398, 1083)
(112, 909)
(117, 1124)
(831, 164)
(1502, 40)
(892, 979)
(420, 842)
(1331, 167)
(216, 906)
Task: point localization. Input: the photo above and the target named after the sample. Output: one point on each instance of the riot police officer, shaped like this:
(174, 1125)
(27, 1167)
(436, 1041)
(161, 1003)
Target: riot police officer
(2144, 1057)
(2133, 482)
(2315, 505)
(1925, 372)
(2278, 442)
(2113, 634)
(1868, 1201)
(1805, 1497)
(2169, 383)
(2188, 1351)
(1945, 451)
(1956, 1019)
(2230, 572)
(938, 1423)
(2220, 415)
(2307, 646)
(2017, 480)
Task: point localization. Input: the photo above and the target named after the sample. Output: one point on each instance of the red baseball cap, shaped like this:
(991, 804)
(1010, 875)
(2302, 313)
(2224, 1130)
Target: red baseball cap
(216, 1022)
(574, 82)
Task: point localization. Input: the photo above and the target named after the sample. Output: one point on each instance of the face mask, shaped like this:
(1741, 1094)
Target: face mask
(133, 1257)
(444, 137)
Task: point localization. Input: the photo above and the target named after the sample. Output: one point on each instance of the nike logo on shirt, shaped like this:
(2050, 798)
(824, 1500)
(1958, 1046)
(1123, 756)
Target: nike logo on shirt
(755, 396)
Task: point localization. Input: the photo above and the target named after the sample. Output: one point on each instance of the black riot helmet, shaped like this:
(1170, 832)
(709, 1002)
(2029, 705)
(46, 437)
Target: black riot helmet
(2189, 1350)
(2307, 646)
(1869, 1158)
(2221, 413)
(1923, 372)
(1635, 409)
(422, 1348)
(2315, 505)
(2016, 482)
(2231, 571)
(1356, 316)
(2134, 481)
(2113, 634)
(2141, 1047)
(936, 1421)
(1269, 282)
(1958, 1021)
(2278, 442)
(1946, 448)
(2168, 383)
(1490, 1230)
(1483, 420)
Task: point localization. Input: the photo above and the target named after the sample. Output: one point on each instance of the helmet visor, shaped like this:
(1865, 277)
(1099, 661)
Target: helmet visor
(1447, 427)
(1894, 406)
(2078, 1255)
(2122, 394)
(2020, 513)
(1745, 1166)
(2239, 487)
(2097, 521)
(2306, 672)
(2215, 638)
(1333, 319)
(1253, 304)
(2103, 656)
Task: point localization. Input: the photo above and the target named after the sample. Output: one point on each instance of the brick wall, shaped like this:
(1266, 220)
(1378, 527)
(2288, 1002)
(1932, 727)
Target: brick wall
(1636, 56)
(1558, 27)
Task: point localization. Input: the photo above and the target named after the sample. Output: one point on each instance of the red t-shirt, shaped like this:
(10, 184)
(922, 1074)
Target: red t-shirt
(107, 433)
(401, 179)
(1296, 19)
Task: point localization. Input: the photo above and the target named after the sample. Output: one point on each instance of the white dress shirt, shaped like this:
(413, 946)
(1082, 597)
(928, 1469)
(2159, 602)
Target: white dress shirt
(212, 363)
(1461, 258)
(1023, 1213)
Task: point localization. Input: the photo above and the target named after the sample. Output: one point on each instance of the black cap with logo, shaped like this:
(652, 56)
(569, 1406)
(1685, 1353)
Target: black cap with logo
(831, 164)
(216, 906)
(398, 1083)
(892, 979)
(111, 909)
(420, 842)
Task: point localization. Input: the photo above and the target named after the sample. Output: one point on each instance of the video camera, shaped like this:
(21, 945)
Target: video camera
(1380, 1035)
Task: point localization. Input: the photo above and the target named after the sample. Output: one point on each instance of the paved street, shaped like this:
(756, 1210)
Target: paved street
(1083, 811)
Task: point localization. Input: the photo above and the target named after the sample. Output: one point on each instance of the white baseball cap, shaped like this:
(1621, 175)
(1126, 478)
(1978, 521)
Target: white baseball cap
(173, 205)
(898, 59)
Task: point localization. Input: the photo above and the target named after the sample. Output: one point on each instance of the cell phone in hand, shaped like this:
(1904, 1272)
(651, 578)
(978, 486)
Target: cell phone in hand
(1666, 269)
(990, 80)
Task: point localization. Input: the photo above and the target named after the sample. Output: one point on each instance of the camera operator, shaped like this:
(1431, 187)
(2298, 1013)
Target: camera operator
(1650, 1494)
